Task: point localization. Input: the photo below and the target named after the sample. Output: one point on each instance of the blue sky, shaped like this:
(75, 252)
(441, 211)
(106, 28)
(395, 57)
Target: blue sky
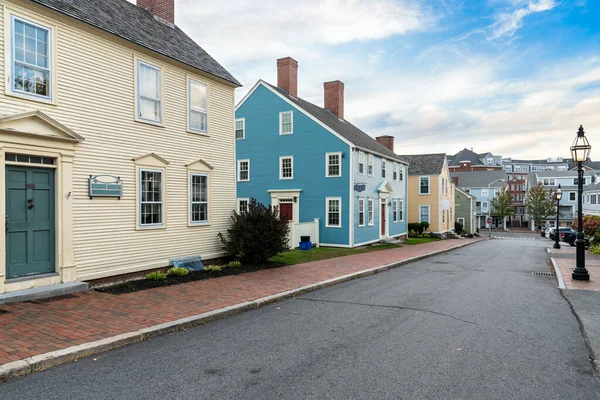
(515, 77)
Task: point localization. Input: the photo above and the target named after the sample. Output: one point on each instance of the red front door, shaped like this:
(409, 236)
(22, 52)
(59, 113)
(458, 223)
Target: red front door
(286, 210)
(383, 219)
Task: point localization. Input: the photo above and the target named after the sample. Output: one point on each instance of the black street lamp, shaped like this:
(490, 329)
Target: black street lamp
(556, 232)
(580, 152)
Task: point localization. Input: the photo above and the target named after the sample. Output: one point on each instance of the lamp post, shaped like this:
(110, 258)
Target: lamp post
(489, 215)
(558, 197)
(580, 152)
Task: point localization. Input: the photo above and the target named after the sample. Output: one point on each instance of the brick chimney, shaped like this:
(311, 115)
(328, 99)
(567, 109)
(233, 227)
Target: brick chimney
(287, 75)
(387, 141)
(455, 180)
(163, 9)
(334, 98)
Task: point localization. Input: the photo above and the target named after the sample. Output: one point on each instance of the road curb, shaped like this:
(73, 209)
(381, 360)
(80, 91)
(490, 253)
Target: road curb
(558, 274)
(44, 361)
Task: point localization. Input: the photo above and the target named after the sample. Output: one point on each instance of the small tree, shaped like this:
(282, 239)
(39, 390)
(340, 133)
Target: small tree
(257, 234)
(540, 203)
(501, 206)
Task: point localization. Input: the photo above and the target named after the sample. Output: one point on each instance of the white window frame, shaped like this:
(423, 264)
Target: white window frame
(486, 208)
(327, 199)
(327, 165)
(370, 166)
(192, 202)
(395, 210)
(191, 108)
(281, 114)
(461, 221)
(281, 167)
(428, 213)
(395, 173)
(401, 210)
(489, 161)
(383, 169)
(239, 163)
(239, 202)
(400, 173)
(485, 193)
(243, 121)
(10, 64)
(362, 202)
(138, 96)
(428, 185)
(371, 211)
(161, 202)
(361, 162)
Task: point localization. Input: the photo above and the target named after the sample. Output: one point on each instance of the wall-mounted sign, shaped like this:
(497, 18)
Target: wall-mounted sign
(360, 187)
(106, 186)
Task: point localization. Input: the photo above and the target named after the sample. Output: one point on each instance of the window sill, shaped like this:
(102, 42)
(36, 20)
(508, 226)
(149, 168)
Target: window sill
(334, 176)
(424, 194)
(199, 133)
(196, 224)
(150, 227)
(151, 123)
(330, 226)
(286, 134)
(248, 180)
(51, 101)
(286, 179)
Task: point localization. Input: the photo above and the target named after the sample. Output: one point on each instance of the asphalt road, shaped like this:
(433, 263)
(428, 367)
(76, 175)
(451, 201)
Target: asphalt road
(470, 324)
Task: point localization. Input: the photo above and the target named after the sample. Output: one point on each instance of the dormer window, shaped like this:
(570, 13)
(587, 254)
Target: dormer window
(286, 123)
(489, 161)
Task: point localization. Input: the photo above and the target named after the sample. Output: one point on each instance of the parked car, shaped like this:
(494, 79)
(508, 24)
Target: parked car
(561, 231)
(565, 236)
(549, 232)
(573, 237)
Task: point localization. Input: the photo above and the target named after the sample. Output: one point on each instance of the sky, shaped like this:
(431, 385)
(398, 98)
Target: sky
(512, 77)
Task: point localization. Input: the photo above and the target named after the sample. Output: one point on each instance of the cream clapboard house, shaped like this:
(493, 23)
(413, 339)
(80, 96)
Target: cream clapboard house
(107, 96)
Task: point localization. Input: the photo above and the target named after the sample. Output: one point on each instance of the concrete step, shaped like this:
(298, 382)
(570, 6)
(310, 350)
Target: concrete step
(44, 292)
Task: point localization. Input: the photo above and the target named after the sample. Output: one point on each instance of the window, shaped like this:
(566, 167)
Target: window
(484, 206)
(395, 173)
(400, 210)
(242, 205)
(286, 123)
(401, 171)
(461, 221)
(450, 211)
(424, 214)
(371, 212)
(489, 161)
(424, 185)
(243, 170)
(334, 207)
(370, 169)
(198, 103)
(151, 203)
(31, 59)
(199, 198)
(240, 128)
(334, 165)
(286, 167)
(361, 211)
(593, 199)
(562, 168)
(24, 158)
(382, 169)
(395, 210)
(443, 186)
(361, 163)
(492, 192)
(572, 196)
(149, 94)
(549, 182)
(484, 193)
(443, 216)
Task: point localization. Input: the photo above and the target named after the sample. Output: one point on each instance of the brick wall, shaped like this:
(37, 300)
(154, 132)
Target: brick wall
(164, 9)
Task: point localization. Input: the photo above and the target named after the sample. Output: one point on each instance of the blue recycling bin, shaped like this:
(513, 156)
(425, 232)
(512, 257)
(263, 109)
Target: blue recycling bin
(305, 245)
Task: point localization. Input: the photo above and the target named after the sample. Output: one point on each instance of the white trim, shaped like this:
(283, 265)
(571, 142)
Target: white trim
(160, 99)
(238, 200)
(238, 170)
(339, 154)
(367, 242)
(371, 163)
(401, 200)
(281, 177)
(384, 164)
(327, 199)
(191, 203)
(284, 191)
(291, 112)
(192, 81)
(361, 153)
(277, 195)
(428, 185)
(364, 201)
(383, 203)
(428, 213)
(350, 197)
(371, 200)
(162, 198)
(347, 246)
(243, 121)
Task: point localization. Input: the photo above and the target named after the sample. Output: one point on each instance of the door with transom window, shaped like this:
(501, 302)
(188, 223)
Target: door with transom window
(286, 209)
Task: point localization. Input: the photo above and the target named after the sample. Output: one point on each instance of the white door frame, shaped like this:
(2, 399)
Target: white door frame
(293, 194)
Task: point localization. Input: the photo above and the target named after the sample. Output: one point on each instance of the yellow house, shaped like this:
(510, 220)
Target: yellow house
(117, 146)
(430, 192)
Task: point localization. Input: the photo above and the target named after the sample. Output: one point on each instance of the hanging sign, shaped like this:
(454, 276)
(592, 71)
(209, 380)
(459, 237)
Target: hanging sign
(360, 187)
(106, 186)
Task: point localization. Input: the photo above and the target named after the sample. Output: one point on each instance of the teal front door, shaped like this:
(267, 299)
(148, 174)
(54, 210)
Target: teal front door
(29, 221)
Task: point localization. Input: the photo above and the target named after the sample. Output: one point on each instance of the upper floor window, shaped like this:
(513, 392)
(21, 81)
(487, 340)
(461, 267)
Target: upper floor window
(489, 161)
(484, 193)
(198, 107)
(549, 182)
(240, 128)
(286, 167)
(401, 173)
(286, 123)
(383, 169)
(424, 185)
(31, 62)
(334, 165)
(572, 196)
(243, 170)
(149, 92)
(370, 168)
(395, 173)
(361, 163)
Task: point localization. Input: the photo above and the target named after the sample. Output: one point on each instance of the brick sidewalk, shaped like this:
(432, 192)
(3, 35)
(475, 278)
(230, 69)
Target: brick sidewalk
(29, 329)
(566, 266)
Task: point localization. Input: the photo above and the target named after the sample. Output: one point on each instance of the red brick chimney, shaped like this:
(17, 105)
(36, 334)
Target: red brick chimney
(387, 141)
(334, 98)
(163, 9)
(455, 180)
(287, 75)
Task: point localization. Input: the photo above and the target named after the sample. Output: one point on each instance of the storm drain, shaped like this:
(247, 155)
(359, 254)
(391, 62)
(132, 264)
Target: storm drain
(546, 274)
(441, 262)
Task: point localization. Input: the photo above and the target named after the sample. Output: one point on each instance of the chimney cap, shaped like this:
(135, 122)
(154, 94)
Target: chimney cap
(286, 60)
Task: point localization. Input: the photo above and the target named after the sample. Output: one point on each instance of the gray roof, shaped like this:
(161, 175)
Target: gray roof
(560, 174)
(342, 127)
(132, 23)
(479, 179)
(593, 187)
(469, 155)
(425, 164)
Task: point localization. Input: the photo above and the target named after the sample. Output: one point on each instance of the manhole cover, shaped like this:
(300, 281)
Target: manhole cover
(548, 274)
(441, 262)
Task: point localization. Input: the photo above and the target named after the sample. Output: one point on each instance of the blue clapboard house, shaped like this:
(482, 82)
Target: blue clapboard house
(330, 179)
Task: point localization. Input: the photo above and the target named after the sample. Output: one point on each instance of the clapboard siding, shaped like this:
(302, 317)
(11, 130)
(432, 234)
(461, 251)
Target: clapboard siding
(96, 98)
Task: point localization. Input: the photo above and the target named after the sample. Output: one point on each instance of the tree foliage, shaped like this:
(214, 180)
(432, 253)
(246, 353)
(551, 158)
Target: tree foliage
(501, 206)
(257, 234)
(540, 203)
(591, 226)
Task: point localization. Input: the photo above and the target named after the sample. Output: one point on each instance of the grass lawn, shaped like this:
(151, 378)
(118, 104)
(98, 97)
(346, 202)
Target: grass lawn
(297, 256)
(412, 241)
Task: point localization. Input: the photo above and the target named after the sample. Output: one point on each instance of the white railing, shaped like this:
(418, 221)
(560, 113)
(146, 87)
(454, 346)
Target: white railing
(303, 229)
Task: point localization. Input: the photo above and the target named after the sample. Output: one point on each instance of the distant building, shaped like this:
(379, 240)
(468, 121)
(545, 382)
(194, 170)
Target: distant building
(483, 185)
(591, 199)
(465, 210)
(468, 161)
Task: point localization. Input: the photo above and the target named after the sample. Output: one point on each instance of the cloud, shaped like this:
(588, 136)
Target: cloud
(508, 23)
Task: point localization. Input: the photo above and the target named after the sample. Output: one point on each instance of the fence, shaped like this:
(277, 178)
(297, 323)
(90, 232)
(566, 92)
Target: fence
(304, 229)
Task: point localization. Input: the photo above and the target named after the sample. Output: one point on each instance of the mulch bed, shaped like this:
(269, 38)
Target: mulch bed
(144, 284)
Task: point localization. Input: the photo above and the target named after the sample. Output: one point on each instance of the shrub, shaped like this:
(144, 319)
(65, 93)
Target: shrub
(458, 227)
(178, 271)
(595, 250)
(591, 227)
(213, 268)
(417, 228)
(234, 264)
(257, 234)
(156, 276)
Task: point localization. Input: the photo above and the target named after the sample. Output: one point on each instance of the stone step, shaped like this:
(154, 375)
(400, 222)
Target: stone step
(44, 292)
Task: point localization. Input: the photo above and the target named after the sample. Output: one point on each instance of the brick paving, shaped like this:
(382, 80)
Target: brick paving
(30, 328)
(566, 266)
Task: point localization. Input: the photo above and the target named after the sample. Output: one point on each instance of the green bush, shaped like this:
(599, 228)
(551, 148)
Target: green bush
(178, 271)
(595, 250)
(213, 268)
(156, 276)
(234, 264)
(256, 235)
(417, 228)
(458, 227)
